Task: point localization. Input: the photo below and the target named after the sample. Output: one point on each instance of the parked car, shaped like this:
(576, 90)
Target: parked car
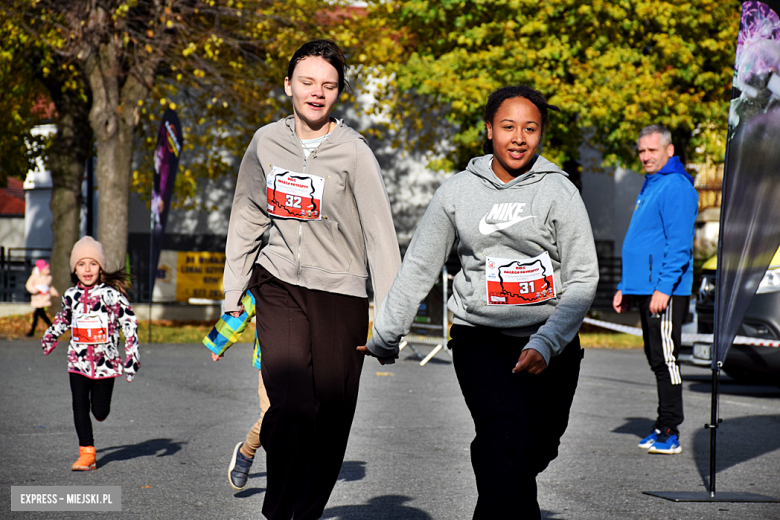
(745, 363)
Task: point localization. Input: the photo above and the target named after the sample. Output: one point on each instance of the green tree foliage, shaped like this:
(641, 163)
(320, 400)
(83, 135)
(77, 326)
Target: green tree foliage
(22, 103)
(36, 84)
(613, 67)
(221, 108)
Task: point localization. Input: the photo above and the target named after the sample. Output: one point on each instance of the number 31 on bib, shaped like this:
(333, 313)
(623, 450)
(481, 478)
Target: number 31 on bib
(519, 282)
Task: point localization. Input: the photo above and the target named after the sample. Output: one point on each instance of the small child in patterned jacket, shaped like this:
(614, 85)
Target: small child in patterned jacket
(94, 311)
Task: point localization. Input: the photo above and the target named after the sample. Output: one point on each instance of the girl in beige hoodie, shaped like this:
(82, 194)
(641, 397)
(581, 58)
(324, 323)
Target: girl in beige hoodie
(39, 285)
(315, 186)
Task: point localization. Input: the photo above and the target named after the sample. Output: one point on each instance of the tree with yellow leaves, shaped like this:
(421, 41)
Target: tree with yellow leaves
(125, 52)
(613, 67)
(37, 83)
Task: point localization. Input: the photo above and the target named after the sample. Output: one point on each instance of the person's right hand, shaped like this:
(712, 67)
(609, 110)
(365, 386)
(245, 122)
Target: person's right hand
(238, 313)
(618, 303)
(48, 343)
(388, 360)
(215, 357)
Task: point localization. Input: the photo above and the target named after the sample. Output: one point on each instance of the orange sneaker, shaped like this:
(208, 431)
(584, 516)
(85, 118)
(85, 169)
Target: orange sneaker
(86, 460)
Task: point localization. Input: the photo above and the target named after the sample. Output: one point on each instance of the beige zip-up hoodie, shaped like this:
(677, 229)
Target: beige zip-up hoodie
(355, 232)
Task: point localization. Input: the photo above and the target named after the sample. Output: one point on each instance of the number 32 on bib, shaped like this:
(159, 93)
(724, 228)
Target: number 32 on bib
(519, 282)
(294, 195)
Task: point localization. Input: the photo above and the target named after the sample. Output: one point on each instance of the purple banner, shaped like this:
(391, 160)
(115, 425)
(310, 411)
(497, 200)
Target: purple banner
(166, 165)
(750, 208)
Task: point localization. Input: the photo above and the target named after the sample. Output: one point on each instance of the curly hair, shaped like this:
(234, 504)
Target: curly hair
(522, 91)
(327, 50)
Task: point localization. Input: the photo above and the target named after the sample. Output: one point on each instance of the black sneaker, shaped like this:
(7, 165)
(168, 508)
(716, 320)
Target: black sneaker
(238, 472)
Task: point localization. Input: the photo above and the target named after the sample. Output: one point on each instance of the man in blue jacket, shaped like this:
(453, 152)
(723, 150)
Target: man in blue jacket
(658, 274)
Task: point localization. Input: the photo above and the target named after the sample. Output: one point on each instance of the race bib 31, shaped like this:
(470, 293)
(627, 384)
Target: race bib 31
(519, 282)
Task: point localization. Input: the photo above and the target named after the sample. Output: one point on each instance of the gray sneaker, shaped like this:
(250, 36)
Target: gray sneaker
(238, 472)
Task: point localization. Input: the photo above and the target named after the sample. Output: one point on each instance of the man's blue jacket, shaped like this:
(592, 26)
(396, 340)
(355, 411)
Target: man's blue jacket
(658, 248)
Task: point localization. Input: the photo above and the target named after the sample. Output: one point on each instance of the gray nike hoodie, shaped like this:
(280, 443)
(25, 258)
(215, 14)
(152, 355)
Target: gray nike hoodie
(538, 211)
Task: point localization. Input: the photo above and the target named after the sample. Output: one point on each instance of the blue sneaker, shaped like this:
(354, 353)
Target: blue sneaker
(238, 472)
(649, 440)
(666, 443)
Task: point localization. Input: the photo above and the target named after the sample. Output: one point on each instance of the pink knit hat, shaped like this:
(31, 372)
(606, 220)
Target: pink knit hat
(41, 265)
(87, 247)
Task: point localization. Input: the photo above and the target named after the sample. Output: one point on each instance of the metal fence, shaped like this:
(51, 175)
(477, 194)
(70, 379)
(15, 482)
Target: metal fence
(610, 268)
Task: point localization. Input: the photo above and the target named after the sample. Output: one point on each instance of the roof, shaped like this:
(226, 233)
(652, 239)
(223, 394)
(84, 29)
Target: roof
(12, 198)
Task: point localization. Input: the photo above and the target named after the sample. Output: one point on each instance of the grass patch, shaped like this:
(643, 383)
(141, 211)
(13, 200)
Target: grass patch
(168, 331)
(614, 340)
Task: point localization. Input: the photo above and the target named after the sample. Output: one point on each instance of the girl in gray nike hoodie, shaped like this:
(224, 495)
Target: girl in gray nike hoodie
(529, 275)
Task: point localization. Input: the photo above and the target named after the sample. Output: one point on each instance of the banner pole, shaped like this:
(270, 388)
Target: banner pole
(151, 269)
(713, 426)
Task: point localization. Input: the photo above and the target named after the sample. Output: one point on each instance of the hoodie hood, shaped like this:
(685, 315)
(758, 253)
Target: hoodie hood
(340, 134)
(673, 165)
(481, 167)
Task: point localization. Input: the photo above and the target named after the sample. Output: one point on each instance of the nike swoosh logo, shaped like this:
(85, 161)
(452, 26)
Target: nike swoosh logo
(486, 228)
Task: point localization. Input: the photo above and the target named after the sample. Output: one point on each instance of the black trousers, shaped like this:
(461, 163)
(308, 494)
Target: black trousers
(663, 335)
(39, 313)
(94, 394)
(311, 370)
(519, 418)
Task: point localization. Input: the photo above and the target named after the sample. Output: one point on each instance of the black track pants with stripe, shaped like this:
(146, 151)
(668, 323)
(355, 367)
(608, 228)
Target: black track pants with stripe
(662, 334)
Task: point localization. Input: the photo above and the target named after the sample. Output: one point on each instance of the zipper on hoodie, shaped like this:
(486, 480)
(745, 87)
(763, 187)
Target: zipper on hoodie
(650, 274)
(300, 224)
(90, 348)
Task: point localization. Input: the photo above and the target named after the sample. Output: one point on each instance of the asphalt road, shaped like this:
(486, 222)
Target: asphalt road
(170, 435)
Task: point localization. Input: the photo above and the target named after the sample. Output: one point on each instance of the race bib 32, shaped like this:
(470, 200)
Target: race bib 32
(294, 195)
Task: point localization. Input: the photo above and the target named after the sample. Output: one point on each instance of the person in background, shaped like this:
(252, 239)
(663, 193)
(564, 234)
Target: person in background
(658, 275)
(39, 285)
(94, 310)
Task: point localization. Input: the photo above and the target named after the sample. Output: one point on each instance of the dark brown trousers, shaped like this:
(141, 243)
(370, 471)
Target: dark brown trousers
(311, 370)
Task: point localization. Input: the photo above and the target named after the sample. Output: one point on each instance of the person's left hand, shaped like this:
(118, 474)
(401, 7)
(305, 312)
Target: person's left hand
(215, 357)
(658, 302)
(531, 361)
(388, 360)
